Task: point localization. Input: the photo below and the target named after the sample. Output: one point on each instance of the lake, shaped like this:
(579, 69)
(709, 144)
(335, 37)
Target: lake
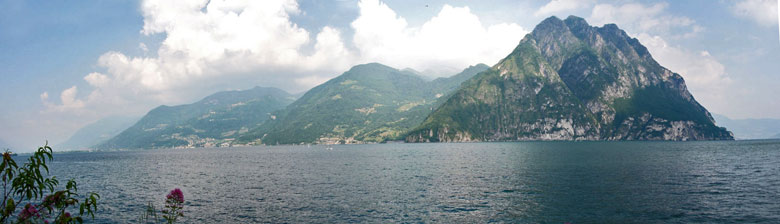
(518, 182)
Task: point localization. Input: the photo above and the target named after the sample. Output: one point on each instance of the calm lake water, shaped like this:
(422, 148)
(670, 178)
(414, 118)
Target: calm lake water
(523, 182)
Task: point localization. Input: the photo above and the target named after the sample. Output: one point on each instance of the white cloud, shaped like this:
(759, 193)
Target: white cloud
(67, 98)
(704, 75)
(763, 12)
(639, 18)
(555, 6)
(97, 79)
(217, 38)
(453, 39)
(143, 47)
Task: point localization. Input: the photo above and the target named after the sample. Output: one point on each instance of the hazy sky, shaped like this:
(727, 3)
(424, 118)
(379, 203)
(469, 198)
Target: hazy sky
(64, 64)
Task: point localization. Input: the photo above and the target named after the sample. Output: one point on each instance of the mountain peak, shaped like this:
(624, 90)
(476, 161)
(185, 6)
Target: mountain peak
(372, 65)
(480, 67)
(573, 19)
(550, 20)
(611, 26)
(373, 70)
(576, 23)
(552, 23)
(613, 29)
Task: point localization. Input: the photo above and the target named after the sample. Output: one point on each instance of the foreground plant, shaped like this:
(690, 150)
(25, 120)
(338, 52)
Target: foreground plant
(174, 203)
(29, 185)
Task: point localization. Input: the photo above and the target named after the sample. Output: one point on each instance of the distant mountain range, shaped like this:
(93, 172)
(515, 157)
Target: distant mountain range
(368, 103)
(96, 133)
(566, 80)
(213, 121)
(750, 128)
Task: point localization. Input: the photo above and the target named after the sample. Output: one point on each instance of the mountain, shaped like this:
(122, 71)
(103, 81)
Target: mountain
(213, 121)
(750, 128)
(97, 132)
(368, 103)
(567, 80)
(449, 84)
(777, 136)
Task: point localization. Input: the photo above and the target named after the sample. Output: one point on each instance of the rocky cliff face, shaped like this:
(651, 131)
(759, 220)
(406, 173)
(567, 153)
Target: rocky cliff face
(568, 80)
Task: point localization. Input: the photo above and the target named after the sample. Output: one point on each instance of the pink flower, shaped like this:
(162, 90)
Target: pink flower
(28, 211)
(177, 195)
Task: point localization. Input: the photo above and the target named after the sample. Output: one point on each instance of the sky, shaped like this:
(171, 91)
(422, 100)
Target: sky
(65, 64)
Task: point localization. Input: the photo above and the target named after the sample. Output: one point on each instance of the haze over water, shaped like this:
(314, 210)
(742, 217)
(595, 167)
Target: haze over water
(553, 182)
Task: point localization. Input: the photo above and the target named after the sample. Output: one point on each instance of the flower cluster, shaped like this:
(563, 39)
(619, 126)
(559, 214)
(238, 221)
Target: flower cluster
(176, 195)
(173, 204)
(29, 211)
